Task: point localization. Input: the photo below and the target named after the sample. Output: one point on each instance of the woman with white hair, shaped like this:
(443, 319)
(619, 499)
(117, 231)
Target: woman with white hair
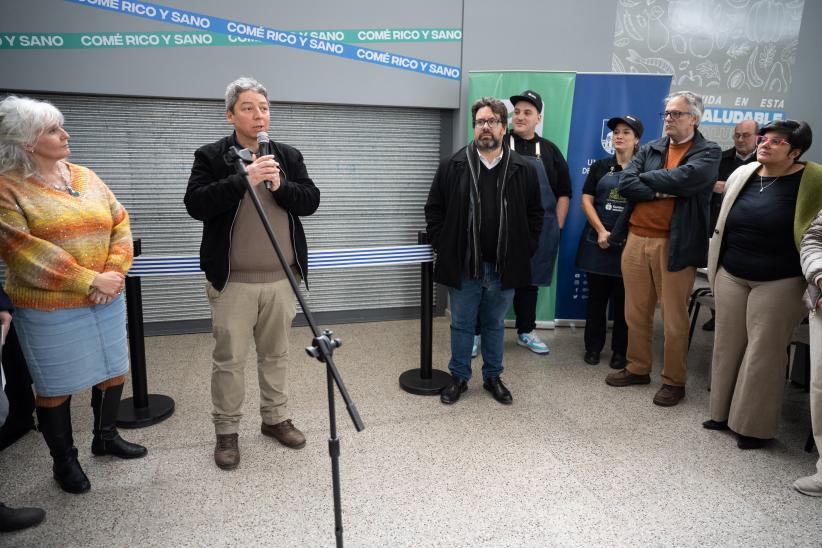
(67, 244)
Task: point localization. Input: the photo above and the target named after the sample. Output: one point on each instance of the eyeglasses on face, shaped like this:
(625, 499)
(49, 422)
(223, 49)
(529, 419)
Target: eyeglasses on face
(773, 141)
(674, 114)
(490, 122)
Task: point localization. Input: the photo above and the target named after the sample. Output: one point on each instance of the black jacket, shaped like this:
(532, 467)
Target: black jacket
(727, 165)
(449, 211)
(691, 182)
(215, 191)
(5, 302)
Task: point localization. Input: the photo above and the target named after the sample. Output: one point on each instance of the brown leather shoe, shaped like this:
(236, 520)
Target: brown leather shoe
(285, 433)
(623, 377)
(227, 451)
(668, 395)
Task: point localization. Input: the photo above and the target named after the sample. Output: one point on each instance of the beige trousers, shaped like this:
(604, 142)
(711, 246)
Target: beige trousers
(754, 325)
(816, 386)
(242, 312)
(647, 280)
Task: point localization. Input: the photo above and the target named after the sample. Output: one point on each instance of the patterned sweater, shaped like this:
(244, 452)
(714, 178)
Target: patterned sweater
(54, 244)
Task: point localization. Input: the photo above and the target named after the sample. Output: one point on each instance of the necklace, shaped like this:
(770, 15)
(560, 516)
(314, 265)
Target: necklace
(65, 180)
(763, 188)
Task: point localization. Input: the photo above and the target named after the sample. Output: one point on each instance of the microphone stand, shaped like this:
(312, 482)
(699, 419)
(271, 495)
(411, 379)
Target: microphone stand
(322, 347)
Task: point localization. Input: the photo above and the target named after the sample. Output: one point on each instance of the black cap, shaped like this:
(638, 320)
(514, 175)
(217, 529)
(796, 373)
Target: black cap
(528, 96)
(629, 120)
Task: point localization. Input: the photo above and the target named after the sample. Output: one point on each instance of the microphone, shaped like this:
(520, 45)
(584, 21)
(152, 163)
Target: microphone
(262, 142)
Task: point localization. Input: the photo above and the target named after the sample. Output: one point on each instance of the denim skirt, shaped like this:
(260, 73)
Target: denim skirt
(71, 350)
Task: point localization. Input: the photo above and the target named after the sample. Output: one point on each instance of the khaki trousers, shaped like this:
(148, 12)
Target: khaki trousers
(647, 280)
(754, 325)
(816, 386)
(264, 312)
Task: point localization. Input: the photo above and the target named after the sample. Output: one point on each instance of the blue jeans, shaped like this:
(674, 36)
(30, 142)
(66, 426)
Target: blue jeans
(485, 301)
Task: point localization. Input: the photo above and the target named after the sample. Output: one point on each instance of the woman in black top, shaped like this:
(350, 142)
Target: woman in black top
(755, 273)
(602, 205)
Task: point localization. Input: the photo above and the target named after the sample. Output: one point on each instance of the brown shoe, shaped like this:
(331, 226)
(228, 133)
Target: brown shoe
(227, 451)
(623, 377)
(668, 395)
(285, 433)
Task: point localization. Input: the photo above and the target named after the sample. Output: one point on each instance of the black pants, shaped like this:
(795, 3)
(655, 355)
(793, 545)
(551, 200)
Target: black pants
(525, 309)
(18, 390)
(601, 289)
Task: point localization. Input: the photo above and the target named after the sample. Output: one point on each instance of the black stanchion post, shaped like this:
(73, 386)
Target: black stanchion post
(143, 409)
(425, 381)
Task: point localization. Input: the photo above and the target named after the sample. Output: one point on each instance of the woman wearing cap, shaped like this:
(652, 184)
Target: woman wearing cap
(67, 244)
(600, 260)
(756, 276)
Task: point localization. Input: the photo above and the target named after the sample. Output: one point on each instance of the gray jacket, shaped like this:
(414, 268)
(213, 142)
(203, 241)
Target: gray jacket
(810, 254)
(691, 182)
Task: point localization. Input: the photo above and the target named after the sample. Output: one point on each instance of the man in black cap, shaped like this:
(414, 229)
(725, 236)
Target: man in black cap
(555, 191)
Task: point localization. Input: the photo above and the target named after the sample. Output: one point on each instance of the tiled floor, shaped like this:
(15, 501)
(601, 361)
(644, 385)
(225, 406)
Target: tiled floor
(571, 462)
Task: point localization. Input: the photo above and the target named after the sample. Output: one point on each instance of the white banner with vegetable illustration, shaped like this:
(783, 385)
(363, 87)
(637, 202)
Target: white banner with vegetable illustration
(739, 54)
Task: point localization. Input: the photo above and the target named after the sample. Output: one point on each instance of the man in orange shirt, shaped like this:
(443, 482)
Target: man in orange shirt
(669, 183)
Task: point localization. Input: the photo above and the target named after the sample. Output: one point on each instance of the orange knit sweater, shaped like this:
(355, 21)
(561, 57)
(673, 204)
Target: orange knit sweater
(54, 244)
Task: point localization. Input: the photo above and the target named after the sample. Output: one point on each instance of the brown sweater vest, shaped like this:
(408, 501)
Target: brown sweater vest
(252, 257)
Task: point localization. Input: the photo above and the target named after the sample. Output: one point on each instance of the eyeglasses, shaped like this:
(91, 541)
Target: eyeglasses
(773, 141)
(490, 122)
(674, 114)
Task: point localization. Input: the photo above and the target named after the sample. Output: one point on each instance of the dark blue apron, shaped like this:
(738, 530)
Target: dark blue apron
(542, 263)
(609, 204)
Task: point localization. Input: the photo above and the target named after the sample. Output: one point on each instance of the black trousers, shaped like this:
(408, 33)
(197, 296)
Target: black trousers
(525, 309)
(602, 289)
(18, 390)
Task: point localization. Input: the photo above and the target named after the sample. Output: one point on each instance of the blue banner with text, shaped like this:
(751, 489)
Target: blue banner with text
(245, 30)
(597, 98)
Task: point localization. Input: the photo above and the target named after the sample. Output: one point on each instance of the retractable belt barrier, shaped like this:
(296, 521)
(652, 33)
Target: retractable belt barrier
(145, 409)
(327, 258)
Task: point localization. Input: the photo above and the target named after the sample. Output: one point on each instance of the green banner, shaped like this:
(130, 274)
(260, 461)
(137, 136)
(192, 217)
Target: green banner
(557, 92)
(97, 40)
(361, 36)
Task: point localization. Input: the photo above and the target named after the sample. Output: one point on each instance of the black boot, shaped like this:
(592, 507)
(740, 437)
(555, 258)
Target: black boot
(107, 441)
(14, 519)
(55, 424)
